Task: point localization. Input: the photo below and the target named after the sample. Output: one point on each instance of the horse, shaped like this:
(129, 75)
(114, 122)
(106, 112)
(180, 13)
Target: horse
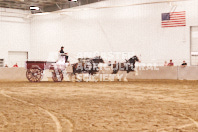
(90, 66)
(128, 66)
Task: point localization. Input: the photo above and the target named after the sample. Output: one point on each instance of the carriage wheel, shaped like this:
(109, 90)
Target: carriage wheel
(57, 76)
(34, 75)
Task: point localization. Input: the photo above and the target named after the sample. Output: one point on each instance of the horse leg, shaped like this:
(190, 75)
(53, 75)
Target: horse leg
(125, 77)
(136, 72)
(73, 77)
(91, 75)
(115, 71)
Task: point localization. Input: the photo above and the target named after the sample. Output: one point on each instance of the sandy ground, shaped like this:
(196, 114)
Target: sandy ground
(142, 105)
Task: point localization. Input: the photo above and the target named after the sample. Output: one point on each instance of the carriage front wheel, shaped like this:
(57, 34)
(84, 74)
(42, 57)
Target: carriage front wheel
(57, 75)
(34, 75)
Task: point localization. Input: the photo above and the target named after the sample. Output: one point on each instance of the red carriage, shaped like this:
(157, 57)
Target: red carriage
(35, 70)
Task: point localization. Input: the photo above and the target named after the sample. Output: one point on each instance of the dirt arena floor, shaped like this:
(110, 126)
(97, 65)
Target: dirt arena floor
(135, 106)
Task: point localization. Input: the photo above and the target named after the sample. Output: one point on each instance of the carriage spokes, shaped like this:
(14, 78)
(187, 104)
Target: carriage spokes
(34, 74)
(35, 70)
(57, 75)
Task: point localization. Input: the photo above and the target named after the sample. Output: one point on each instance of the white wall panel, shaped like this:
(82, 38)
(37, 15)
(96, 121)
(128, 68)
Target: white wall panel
(131, 28)
(14, 32)
(17, 57)
(128, 29)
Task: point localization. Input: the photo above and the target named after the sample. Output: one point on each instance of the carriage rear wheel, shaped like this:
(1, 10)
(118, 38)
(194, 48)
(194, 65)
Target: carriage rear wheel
(34, 74)
(57, 76)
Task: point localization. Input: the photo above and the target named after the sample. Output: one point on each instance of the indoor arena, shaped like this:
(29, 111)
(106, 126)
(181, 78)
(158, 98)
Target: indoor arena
(98, 66)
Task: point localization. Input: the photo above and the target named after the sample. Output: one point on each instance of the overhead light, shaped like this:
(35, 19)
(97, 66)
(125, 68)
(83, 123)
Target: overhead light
(73, 0)
(34, 8)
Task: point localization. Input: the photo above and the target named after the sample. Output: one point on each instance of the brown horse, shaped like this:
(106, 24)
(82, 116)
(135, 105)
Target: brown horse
(90, 66)
(128, 66)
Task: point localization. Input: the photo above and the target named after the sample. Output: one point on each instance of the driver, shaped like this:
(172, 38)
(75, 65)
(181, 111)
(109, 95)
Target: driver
(64, 54)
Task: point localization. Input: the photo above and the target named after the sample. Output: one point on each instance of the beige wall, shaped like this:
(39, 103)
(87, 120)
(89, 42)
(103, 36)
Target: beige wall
(161, 73)
(187, 73)
(13, 74)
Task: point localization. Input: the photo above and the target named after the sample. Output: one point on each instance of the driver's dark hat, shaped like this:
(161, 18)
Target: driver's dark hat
(62, 47)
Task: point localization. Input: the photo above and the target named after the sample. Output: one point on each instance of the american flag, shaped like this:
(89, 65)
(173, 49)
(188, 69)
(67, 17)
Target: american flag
(174, 19)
